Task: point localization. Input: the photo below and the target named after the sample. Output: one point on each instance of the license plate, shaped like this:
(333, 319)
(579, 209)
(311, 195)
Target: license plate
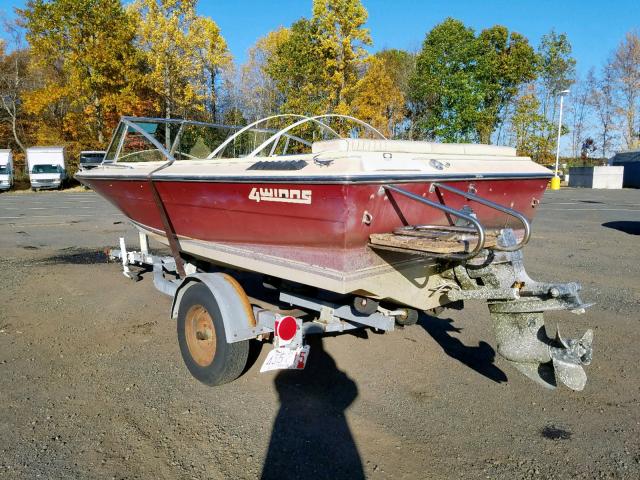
(283, 358)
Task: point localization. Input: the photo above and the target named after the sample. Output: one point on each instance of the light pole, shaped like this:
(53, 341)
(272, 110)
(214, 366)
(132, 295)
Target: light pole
(555, 181)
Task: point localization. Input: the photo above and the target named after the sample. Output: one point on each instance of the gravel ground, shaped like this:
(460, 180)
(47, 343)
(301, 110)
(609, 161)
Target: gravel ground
(92, 384)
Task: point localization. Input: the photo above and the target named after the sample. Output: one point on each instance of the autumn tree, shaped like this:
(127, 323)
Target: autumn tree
(84, 56)
(377, 99)
(587, 148)
(183, 53)
(339, 26)
(400, 66)
(316, 61)
(626, 71)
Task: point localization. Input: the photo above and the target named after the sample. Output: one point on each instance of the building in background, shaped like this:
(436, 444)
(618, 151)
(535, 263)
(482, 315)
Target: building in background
(630, 160)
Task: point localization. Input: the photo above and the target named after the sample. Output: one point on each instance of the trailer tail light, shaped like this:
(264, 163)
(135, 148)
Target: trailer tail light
(286, 328)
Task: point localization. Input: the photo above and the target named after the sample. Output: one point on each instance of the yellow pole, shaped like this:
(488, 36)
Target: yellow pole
(555, 183)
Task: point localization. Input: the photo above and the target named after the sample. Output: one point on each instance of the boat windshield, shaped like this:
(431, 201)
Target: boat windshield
(150, 139)
(4, 169)
(46, 169)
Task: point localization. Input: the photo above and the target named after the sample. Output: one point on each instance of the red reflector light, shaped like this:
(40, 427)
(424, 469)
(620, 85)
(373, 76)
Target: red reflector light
(286, 328)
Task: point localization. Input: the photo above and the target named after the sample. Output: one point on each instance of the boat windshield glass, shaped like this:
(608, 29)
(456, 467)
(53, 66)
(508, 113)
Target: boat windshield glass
(145, 140)
(4, 169)
(46, 169)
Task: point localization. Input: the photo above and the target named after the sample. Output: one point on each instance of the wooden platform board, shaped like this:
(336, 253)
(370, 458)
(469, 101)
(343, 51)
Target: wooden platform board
(440, 242)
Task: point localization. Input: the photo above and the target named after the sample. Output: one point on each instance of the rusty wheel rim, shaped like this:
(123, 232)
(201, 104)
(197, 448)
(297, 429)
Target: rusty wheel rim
(200, 335)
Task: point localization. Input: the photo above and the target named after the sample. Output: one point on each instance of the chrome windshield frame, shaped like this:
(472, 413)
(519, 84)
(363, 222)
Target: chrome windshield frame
(132, 122)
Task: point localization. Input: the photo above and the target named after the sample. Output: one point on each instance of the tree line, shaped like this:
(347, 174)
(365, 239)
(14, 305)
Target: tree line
(71, 68)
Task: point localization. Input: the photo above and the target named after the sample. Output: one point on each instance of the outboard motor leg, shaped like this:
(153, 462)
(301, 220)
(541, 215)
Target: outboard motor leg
(517, 305)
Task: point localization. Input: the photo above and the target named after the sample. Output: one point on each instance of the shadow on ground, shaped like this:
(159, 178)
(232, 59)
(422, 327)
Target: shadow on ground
(632, 228)
(480, 359)
(311, 437)
(76, 256)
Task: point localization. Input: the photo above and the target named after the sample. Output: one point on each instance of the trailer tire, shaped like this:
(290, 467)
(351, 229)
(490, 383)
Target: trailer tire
(409, 317)
(201, 336)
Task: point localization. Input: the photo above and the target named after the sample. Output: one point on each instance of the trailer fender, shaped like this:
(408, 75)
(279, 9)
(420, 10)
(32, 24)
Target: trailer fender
(237, 312)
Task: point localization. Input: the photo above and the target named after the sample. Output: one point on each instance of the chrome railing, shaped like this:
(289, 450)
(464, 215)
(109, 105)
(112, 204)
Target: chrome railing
(476, 226)
(479, 229)
(496, 206)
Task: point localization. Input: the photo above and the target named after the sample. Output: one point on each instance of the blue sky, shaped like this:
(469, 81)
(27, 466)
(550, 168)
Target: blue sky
(594, 27)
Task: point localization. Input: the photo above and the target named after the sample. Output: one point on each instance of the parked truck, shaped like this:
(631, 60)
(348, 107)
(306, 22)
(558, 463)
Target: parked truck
(91, 159)
(6, 169)
(46, 167)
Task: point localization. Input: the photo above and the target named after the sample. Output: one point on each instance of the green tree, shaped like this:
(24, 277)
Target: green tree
(297, 72)
(464, 83)
(556, 65)
(505, 61)
(444, 92)
(556, 71)
(526, 123)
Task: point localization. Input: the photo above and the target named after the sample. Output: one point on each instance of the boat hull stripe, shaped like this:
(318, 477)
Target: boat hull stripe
(332, 179)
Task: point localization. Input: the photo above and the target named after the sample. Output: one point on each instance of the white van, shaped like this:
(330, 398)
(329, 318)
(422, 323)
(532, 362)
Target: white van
(6, 169)
(46, 167)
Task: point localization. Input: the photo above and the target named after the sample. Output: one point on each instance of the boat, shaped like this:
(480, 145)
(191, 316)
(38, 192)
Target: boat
(330, 203)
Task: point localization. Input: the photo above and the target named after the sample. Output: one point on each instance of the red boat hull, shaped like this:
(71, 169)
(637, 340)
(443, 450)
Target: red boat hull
(321, 231)
(223, 212)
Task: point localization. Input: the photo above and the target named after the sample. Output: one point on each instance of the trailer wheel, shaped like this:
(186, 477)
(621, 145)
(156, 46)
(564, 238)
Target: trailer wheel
(202, 339)
(408, 317)
(366, 306)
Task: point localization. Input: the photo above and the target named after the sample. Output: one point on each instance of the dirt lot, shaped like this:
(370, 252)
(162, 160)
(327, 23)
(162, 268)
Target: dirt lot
(92, 384)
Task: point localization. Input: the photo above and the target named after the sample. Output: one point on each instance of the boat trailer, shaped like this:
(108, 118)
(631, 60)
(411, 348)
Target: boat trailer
(497, 275)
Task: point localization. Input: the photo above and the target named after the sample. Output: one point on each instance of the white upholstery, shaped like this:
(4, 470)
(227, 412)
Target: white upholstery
(405, 146)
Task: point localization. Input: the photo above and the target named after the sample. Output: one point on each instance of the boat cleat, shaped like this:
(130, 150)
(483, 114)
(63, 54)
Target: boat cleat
(517, 305)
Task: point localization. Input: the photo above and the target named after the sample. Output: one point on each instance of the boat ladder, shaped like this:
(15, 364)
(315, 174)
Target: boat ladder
(451, 241)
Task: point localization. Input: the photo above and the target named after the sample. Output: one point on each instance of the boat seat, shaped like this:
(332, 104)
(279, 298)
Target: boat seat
(406, 146)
